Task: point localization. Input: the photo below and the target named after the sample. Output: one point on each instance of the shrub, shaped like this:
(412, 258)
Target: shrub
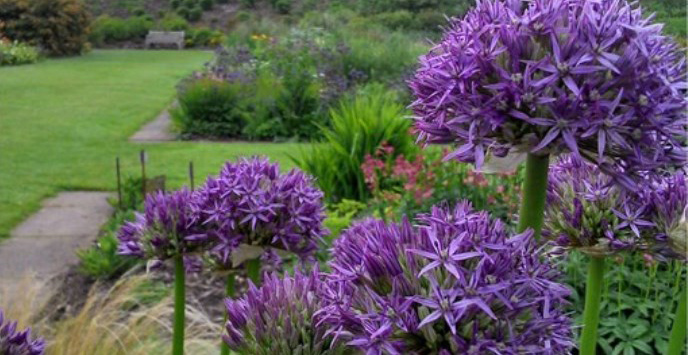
(106, 29)
(174, 4)
(173, 22)
(58, 27)
(211, 108)
(359, 126)
(402, 186)
(16, 53)
(401, 19)
(195, 14)
(205, 37)
(206, 4)
(282, 6)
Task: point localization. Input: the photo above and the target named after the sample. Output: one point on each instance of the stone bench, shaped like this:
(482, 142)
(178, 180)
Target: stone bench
(166, 38)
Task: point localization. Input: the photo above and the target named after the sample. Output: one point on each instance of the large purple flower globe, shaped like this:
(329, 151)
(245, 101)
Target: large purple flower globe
(279, 318)
(590, 77)
(458, 283)
(16, 342)
(668, 200)
(167, 228)
(252, 203)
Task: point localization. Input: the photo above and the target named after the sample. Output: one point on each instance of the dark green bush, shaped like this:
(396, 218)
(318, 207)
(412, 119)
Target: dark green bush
(206, 4)
(195, 14)
(282, 6)
(174, 4)
(204, 37)
(359, 126)
(107, 29)
(211, 108)
(57, 27)
(139, 11)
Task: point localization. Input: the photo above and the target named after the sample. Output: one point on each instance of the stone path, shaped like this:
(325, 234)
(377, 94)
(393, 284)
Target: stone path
(46, 242)
(158, 130)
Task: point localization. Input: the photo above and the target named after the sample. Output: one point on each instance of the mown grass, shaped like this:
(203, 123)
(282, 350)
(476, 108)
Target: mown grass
(63, 122)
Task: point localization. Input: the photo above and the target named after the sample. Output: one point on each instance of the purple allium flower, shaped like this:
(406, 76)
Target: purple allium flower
(13, 342)
(167, 228)
(278, 318)
(669, 211)
(458, 283)
(251, 203)
(587, 211)
(589, 77)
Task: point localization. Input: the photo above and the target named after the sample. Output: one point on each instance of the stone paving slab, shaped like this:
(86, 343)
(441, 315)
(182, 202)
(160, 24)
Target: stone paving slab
(46, 242)
(158, 130)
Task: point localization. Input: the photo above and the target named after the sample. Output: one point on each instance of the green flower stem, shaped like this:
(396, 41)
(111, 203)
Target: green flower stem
(591, 314)
(253, 270)
(229, 292)
(534, 193)
(179, 304)
(677, 340)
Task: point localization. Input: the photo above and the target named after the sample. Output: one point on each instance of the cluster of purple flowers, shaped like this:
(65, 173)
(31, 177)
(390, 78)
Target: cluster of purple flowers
(249, 203)
(13, 342)
(168, 227)
(586, 211)
(278, 318)
(589, 77)
(455, 284)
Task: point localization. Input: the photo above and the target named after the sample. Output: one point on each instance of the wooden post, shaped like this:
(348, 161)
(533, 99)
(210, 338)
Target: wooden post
(142, 157)
(191, 175)
(119, 184)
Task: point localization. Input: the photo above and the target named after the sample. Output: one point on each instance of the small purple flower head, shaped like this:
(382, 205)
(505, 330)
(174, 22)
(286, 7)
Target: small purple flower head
(278, 318)
(457, 283)
(587, 211)
(167, 228)
(13, 342)
(668, 198)
(252, 203)
(589, 77)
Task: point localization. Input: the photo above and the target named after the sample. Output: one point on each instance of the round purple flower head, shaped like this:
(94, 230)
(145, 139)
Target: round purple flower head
(13, 342)
(669, 211)
(585, 210)
(167, 228)
(589, 77)
(252, 203)
(455, 284)
(278, 318)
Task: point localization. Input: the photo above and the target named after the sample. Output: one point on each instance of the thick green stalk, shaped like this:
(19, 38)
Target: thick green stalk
(677, 340)
(532, 210)
(591, 314)
(253, 270)
(179, 304)
(229, 292)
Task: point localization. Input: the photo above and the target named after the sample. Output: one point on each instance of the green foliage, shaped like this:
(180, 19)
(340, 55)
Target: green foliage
(402, 186)
(392, 58)
(211, 108)
(401, 19)
(16, 53)
(638, 302)
(173, 22)
(203, 37)
(174, 4)
(58, 27)
(282, 6)
(206, 4)
(359, 126)
(107, 30)
(195, 14)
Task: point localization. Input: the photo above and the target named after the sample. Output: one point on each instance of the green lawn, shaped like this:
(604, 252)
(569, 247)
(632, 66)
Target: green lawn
(63, 122)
